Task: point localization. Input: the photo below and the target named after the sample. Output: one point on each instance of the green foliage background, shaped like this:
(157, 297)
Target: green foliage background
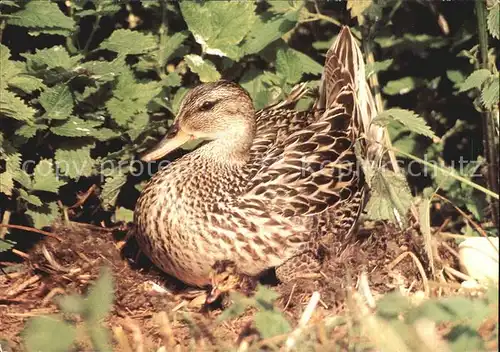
(86, 85)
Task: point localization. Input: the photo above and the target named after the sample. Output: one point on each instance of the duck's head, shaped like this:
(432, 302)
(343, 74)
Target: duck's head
(221, 111)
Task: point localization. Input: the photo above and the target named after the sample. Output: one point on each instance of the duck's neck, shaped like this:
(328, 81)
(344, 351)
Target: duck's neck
(232, 147)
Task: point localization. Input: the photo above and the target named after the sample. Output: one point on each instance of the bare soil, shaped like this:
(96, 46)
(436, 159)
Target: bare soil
(69, 266)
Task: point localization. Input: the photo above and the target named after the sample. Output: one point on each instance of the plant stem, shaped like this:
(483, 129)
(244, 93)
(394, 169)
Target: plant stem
(490, 141)
(163, 38)
(91, 35)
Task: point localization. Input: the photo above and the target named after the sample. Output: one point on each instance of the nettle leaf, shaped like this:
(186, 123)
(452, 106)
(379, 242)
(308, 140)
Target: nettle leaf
(475, 80)
(111, 188)
(75, 161)
(57, 102)
(100, 297)
(390, 197)
(377, 66)
(27, 84)
(271, 323)
(10, 68)
(204, 68)
(455, 76)
(219, 26)
(23, 179)
(264, 33)
(50, 58)
(30, 198)
(494, 20)
(12, 166)
(172, 80)
(43, 15)
(43, 216)
(45, 178)
(357, 7)
(40, 331)
(29, 131)
(128, 42)
(401, 86)
(6, 245)
(288, 66)
(308, 65)
(407, 118)
(76, 127)
(14, 107)
(490, 93)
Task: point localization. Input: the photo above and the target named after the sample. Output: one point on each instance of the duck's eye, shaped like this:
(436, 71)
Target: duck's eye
(207, 105)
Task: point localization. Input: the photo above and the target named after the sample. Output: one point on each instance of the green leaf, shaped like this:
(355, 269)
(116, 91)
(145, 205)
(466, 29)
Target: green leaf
(263, 34)
(44, 177)
(264, 297)
(475, 80)
(27, 84)
(124, 214)
(357, 7)
(219, 26)
(389, 194)
(57, 102)
(288, 66)
(29, 131)
(72, 304)
(494, 20)
(43, 216)
(377, 66)
(240, 304)
(490, 93)
(271, 323)
(42, 14)
(6, 245)
(40, 331)
(10, 68)
(50, 58)
(401, 86)
(308, 65)
(74, 160)
(455, 76)
(111, 188)
(30, 198)
(100, 298)
(76, 127)
(177, 100)
(23, 179)
(172, 80)
(14, 107)
(12, 167)
(128, 42)
(205, 69)
(407, 118)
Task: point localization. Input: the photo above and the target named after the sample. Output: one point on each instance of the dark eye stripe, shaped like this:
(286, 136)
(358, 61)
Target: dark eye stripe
(207, 105)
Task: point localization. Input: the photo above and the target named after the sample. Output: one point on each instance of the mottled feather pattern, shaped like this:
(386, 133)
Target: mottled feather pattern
(267, 203)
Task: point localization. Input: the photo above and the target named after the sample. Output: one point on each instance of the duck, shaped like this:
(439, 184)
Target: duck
(267, 186)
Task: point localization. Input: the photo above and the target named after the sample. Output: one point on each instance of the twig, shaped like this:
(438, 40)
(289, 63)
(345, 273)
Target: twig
(20, 253)
(304, 319)
(82, 198)
(290, 297)
(420, 267)
(16, 290)
(95, 27)
(31, 229)
(5, 220)
(457, 274)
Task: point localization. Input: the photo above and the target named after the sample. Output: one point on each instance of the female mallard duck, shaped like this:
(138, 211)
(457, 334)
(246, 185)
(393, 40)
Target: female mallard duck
(267, 186)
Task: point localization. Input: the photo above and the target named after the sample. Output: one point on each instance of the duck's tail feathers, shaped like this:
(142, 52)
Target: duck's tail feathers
(344, 65)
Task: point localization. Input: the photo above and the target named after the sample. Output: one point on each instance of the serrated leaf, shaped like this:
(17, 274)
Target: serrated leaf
(390, 197)
(40, 331)
(29, 131)
(455, 76)
(172, 43)
(288, 66)
(42, 14)
(111, 188)
(76, 127)
(23, 179)
(6, 245)
(57, 102)
(12, 166)
(490, 93)
(100, 297)
(50, 58)
(10, 68)
(475, 80)
(45, 178)
(30, 198)
(219, 26)
(43, 216)
(377, 66)
(407, 118)
(263, 34)
(27, 84)
(357, 7)
(204, 68)
(172, 80)
(14, 107)
(271, 323)
(74, 160)
(401, 86)
(308, 65)
(494, 20)
(121, 41)
(72, 304)
(238, 307)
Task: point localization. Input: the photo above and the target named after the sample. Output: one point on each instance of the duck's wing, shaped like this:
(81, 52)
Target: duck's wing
(314, 167)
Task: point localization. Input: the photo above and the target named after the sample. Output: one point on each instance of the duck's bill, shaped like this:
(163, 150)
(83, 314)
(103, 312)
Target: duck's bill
(174, 139)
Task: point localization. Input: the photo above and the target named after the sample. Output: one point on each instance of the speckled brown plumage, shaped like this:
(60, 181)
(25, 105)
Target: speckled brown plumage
(267, 186)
